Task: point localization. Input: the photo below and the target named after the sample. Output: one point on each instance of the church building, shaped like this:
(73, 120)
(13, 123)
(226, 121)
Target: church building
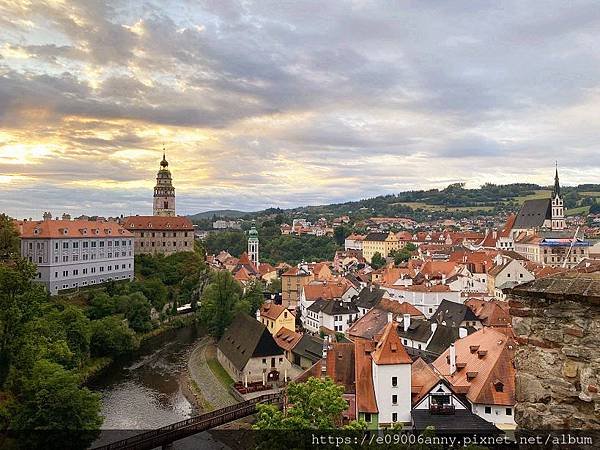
(164, 192)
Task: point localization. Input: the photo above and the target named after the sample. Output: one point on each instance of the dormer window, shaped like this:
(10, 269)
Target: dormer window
(499, 386)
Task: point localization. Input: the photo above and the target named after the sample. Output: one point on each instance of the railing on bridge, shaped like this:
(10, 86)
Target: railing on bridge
(171, 433)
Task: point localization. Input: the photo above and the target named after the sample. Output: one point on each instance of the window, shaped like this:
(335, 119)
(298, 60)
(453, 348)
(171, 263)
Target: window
(101, 244)
(55, 274)
(264, 360)
(394, 381)
(368, 417)
(394, 417)
(75, 245)
(509, 411)
(394, 400)
(488, 409)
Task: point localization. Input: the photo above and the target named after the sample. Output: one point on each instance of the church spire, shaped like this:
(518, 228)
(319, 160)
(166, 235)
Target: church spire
(556, 191)
(164, 163)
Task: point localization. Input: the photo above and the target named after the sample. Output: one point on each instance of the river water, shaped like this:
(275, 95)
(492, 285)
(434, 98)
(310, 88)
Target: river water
(144, 391)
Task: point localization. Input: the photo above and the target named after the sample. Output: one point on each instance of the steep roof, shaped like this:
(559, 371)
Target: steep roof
(423, 378)
(340, 365)
(309, 347)
(452, 313)
(380, 237)
(160, 223)
(491, 313)
(533, 213)
(486, 357)
(369, 325)
(70, 229)
(365, 391)
(325, 290)
(247, 338)
(272, 311)
(369, 297)
(389, 349)
(398, 308)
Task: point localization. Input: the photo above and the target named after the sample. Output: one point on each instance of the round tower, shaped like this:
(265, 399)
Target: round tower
(164, 192)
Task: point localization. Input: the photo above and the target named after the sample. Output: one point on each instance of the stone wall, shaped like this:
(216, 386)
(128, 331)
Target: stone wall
(556, 321)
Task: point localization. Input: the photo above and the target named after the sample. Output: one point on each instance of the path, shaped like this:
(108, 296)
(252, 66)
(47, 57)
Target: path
(212, 389)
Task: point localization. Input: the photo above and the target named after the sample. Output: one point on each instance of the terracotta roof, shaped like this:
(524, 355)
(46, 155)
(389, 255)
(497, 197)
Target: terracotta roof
(423, 378)
(389, 349)
(265, 268)
(296, 272)
(493, 313)
(369, 325)
(271, 311)
(510, 223)
(438, 268)
(242, 274)
(158, 223)
(365, 392)
(423, 288)
(340, 365)
(287, 339)
(325, 291)
(398, 308)
(488, 357)
(70, 229)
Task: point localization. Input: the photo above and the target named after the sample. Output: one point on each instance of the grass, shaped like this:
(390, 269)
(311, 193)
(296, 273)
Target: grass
(589, 194)
(202, 402)
(428, 207)
(93, 367)
(217, 368)
(542, 193)
(577, 211)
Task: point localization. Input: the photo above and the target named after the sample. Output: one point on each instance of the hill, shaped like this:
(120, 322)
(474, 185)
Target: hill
(220, 213)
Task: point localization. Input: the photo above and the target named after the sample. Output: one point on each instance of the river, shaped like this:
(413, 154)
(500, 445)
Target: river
(144, 391)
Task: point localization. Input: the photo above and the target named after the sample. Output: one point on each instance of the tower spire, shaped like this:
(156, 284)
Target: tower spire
(556, 191)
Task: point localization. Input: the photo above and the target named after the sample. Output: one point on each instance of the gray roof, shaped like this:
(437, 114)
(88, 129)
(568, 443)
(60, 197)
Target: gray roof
(461, 420)
(418, 330)
(453, 313)
(334, 307)
(376, 236)
(533, 213)
(247, 338)
(309, 347)
(444, 336)
(369, 297)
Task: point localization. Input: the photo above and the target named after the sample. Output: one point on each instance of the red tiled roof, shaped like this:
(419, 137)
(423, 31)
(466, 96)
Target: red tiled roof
(287, 339)
(158, 223)
(68, 229)
(271, 310)
(365, 392)
(423, 378)
(493, 365)
(389, 349)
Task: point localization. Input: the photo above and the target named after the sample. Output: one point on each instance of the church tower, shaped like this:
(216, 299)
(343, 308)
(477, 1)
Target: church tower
(558, 209)
(253, 246)
(164, 192)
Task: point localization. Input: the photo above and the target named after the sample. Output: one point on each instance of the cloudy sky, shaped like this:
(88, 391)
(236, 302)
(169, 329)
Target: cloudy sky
(287, 103)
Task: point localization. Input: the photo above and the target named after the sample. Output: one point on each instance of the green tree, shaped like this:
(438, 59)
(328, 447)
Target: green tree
(340, 233)
(275, 286)
(101, 305)
(136, 308)
(111, 337)
(51, 400)
(314, 405)
(9, 239)
(254, 296)
(219, 302)
(377, 261)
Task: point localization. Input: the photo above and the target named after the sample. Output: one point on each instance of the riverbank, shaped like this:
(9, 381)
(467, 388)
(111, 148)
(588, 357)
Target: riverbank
(210, 388)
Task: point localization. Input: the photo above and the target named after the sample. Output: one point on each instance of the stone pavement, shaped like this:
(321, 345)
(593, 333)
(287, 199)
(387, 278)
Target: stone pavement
(212, 390)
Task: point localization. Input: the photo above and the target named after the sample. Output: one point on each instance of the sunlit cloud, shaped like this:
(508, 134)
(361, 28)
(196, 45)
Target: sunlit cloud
(261, 104)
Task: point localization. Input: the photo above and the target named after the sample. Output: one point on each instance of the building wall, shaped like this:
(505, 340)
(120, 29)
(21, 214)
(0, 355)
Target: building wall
(291, 287)
(165, 242)
(369, 248)
(79, 262)
(382, 382)
(557, 360)
(285, 319)
(496, 414)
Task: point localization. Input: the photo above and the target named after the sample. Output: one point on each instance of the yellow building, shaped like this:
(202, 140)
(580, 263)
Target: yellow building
(382, 243)
(275, 317)
(292, 282)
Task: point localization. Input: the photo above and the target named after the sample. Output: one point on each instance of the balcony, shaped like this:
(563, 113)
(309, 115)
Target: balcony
(441, 408)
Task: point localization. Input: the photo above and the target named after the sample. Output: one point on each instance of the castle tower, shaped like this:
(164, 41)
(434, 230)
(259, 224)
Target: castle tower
(253, 246)
(164, 192)
(558, 209)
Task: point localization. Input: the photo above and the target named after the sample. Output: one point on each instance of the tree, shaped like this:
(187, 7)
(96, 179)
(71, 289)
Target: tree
(136, 308)
(111, 337)
(9, 239)
(377, 261)
(254, 296)
(101, 305)
(340, 233)
(219, 302)
(52, 403)
(155, 291)
(314, 405)
(77, 333)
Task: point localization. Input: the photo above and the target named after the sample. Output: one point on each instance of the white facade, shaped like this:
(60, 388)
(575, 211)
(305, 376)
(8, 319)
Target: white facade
(496, 414)
(75, 260)
(425, 301)
(352, 244)
(392, 384)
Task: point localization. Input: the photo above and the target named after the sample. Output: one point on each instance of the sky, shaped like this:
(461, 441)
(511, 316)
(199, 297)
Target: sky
(277, 103)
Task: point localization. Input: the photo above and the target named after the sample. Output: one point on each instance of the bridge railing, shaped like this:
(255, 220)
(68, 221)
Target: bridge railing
(224, 415)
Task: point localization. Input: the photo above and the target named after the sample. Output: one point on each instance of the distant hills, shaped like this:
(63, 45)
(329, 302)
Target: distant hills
(220, 213)
(453, 201)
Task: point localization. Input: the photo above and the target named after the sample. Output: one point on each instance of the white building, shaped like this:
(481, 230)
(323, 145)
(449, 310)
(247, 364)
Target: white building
(71, 254)
(425, 298)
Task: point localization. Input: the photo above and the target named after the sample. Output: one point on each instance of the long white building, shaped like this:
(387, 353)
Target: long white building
(77, 253)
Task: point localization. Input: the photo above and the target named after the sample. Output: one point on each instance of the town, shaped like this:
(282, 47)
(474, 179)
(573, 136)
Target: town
(418, 325)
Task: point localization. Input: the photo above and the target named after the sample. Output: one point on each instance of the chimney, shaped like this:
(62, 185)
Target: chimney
(433, 327)
(258, 314)
(443, 278)
(462, 332)
(390, 317)
(452, 359)
(406, 321)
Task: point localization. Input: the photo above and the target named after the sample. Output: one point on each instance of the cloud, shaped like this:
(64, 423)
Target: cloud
(268, 103)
